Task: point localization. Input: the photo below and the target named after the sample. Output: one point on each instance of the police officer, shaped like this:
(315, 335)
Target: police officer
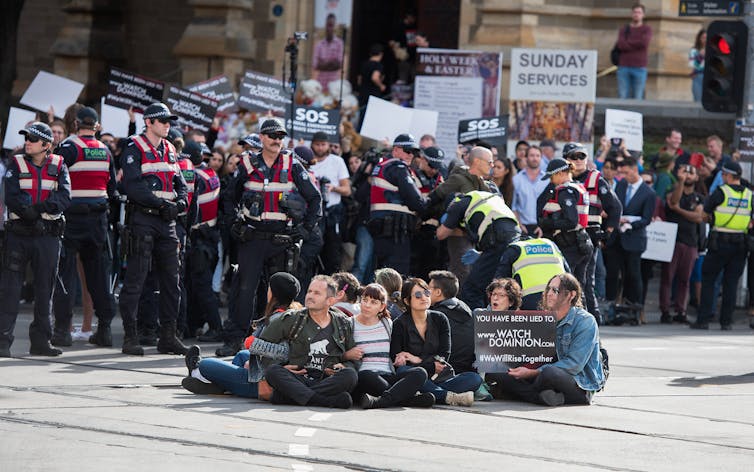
(251, 143)
(601, 199)
(427, 253)
(182, 226)
(92, 184)
(37, 192)
(156, 194)
(563, 209)
(532, 263)
(395, 198)
(491, 225)
(729, 211)
(266, 234)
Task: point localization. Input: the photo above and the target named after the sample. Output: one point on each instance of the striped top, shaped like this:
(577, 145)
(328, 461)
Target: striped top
(375, 342)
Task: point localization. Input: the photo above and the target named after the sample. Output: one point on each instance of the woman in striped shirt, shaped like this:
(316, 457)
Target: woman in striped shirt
(379, 385)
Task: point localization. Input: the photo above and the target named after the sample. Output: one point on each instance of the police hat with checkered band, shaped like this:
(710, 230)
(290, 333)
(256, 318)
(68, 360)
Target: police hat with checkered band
(435, 157)
(406, 141)
(554, 166)
(272, 126)
(38, 130)
(193, 152)
(87, 116)
(571, 149)
(158, 110)
(251, 140)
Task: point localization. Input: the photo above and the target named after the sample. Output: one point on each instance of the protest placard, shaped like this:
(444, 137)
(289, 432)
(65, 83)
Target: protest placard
(660, 241)
(263, 93)
(51, 90)
(509, 339)
(126, 90)
(310, 120)
(115, 120)
(18, 118)
(493, 131)
(383, 119)
(219, 89)
(627, 125)
(746, 143)
(195, 111)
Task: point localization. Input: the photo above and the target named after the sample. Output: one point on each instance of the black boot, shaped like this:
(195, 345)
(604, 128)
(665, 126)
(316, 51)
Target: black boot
(44, 349)
(169, 342)
(229, 348)
(103, 336)
(61, 337)
(148, 337)
(131, 342)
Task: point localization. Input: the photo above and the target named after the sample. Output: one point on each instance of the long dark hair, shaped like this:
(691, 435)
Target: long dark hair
(568, 283)
(506, 186)
(698, 41)
(408, 287)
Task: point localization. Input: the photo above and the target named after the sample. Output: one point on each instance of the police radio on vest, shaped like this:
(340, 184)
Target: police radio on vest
(312, 116)
(483, 124)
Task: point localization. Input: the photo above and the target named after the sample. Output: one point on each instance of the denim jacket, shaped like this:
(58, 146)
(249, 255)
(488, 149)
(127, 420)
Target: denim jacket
(577, 342)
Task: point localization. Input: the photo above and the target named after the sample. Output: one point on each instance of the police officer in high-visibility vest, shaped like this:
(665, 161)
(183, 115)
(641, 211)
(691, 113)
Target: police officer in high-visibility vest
(92, 172)
(601, 199)
(37, 192)
(202, 254)
(182, 227)
(427, 253)
(491, 225)
(563, 209)
(394, 201)
(532, 263)
(267, 237)
(729, 211)
(157, 194)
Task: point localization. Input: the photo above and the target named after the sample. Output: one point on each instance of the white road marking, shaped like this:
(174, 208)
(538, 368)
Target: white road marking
(649, 348)
(718, 348)
(305, 432)
(320, 417)
(302, 467)
(298, 449)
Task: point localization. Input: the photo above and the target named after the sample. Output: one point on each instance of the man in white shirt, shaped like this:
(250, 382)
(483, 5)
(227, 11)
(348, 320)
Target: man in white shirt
(528, 185)
(332, 173)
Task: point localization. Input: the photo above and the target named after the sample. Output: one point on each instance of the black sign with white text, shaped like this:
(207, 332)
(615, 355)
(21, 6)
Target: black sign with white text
(509, 339)
(195, 111)
(493, 131)
(310, 120)
(218, 89)
(710, 8)
(126, 90)
(263, 93)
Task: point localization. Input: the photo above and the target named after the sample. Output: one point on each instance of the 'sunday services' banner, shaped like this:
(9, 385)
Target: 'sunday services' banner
(509, 339)
(552, 94)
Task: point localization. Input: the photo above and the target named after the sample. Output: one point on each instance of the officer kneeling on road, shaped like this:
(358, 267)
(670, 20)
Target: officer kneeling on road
(156, 195)
(266, 227)
(37, 192)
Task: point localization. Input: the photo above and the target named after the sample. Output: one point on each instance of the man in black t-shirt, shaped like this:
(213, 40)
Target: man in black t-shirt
(372, 75)
(685, 207)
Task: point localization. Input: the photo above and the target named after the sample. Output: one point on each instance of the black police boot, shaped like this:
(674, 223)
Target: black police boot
(131, 342)
(148, 337)
(44, 349)
(169, 342)
(229, 348)
(103, 336)
(61, 337)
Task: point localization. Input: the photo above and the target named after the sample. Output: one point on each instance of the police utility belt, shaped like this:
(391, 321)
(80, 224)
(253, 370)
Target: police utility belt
(87, 208)
(741, 240)
(396, 225)
(39, 227)
(575, 237)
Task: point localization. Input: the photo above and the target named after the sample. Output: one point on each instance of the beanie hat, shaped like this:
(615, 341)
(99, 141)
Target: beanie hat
(284, 287)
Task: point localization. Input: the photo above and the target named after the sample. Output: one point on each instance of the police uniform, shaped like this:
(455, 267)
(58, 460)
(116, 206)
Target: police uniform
(92, 173)
(731, 208)
(601, 198)
(427, 252)
(491, 225)
(156, 194)
(394, 199)
(266, 234)
(36, 197)
(182, 230)
(563, 216)
(532, 263)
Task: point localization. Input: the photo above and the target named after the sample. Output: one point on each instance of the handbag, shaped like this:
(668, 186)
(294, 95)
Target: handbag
(615, 52)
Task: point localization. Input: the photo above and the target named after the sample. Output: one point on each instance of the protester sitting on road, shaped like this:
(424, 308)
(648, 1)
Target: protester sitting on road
(392, 281)
(349, 290)
(443, 286)
(421, 337)
(379, 385)
(577, 374)
(240, 377)
(503, 294)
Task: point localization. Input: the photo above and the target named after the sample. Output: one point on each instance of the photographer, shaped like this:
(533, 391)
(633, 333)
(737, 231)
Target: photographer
(613, 147)
(362, 260)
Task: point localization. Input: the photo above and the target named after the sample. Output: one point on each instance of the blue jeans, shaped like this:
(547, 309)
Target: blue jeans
(232, 376)
(631, 82)
(599, 276)
(463, 382)
(362, 259)
(697, 82)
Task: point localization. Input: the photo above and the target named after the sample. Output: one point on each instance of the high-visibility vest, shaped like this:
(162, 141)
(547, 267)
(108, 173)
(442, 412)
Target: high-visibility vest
(385, 196)
(209, 198)
(582, 204)
(162, 168)
(90, 173)
(187, 170)
(39, 183)
(272, 191)
(734, 213)
(539, 261)
(491, 205)
(592, 186)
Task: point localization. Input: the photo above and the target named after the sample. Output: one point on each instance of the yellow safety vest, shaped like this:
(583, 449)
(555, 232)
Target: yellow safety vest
(539, 261)
(734, 213)
(491, 205)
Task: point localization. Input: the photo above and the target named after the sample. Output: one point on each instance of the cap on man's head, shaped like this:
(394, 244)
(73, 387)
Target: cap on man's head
(406, 141)
(303, 154)
(251, 140)
(320, 136)
(39, 130)
(158, 110)
(556, 165)
(435, 157)
(733, 168)
(87, 116)
(192, 151)
(205, 149)
(572, 149)
(174, 134)
(272, 126)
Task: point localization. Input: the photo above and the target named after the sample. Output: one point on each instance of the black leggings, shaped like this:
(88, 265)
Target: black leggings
(394, 388)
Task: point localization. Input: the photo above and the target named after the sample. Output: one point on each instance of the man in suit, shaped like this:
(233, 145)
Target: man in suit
(625, 246)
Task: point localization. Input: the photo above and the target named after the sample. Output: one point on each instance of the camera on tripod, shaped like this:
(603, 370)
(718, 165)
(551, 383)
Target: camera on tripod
(300, 35)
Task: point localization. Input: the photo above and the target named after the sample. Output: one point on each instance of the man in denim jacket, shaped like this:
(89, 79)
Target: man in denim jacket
(577, 374)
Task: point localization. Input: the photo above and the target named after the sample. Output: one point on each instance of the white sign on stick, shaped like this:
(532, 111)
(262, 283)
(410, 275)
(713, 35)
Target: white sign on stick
(52, 90)
(627, 125)
(114, 120)
(660, 241)
(18, 118)
(383, 119)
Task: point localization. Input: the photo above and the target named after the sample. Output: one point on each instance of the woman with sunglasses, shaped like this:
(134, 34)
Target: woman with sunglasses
(421, 338)
(379, 384)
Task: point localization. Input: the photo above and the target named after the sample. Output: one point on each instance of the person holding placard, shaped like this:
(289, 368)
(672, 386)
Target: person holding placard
(37, 192)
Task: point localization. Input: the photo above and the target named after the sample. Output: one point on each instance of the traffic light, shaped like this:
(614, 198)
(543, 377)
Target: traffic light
(725, 66)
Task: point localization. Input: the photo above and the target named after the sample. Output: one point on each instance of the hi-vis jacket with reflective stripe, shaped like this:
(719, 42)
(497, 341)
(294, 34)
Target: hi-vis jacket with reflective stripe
(47, 185)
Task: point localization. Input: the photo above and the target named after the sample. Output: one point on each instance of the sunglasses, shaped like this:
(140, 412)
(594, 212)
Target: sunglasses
(554, 290)
(276, 136)
(576, 157)
(32, 139)
(164, 121)
(422, 294)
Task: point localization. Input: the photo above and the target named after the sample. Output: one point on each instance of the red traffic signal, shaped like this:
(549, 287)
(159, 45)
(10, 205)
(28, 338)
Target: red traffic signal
(725, 66)
(724, 43)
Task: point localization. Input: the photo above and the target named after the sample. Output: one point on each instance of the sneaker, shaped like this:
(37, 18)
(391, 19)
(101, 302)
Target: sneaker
(368, 402)
(420, 400)
(483, 394)
(193, 356)
(195, 385)
(551, 397)
(459, 399)
(79, 335)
